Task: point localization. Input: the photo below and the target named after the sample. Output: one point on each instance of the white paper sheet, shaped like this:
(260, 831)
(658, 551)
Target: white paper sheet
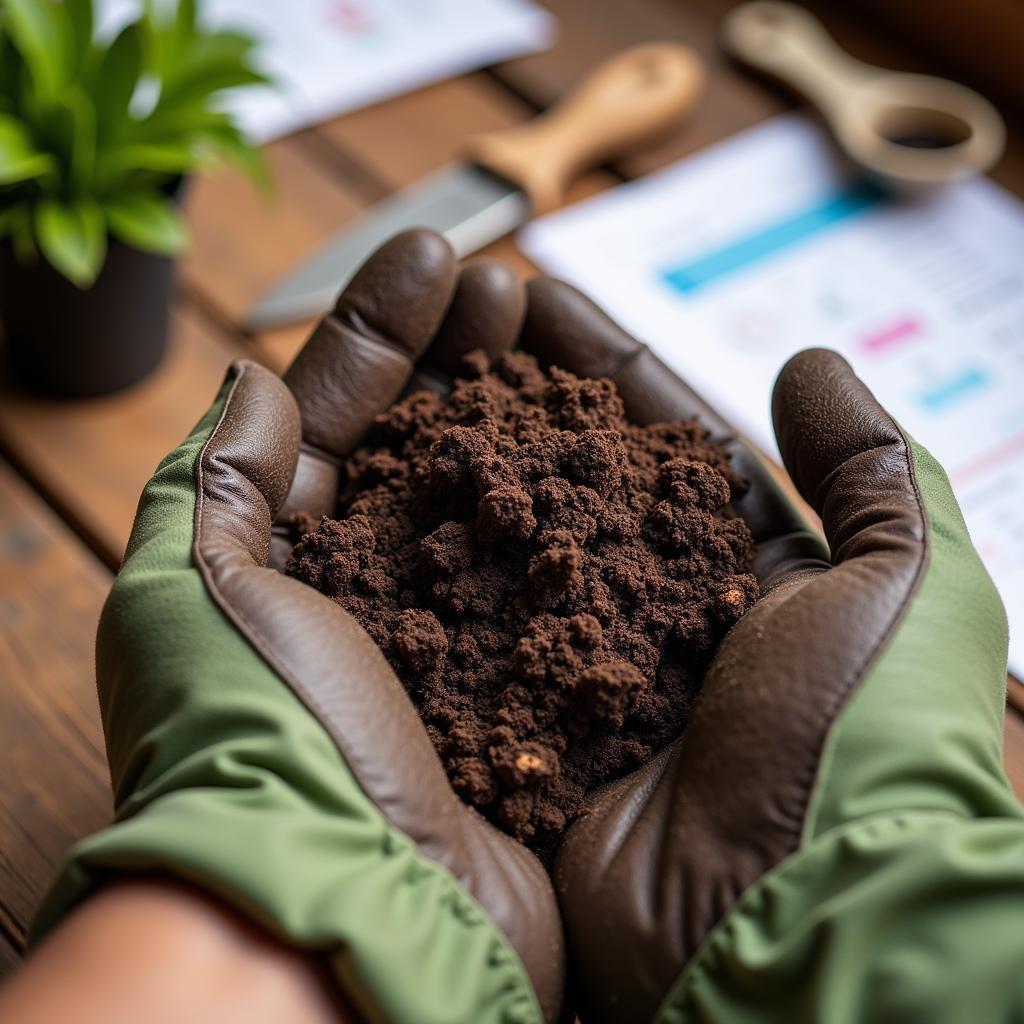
(732, 260)
(332, 56)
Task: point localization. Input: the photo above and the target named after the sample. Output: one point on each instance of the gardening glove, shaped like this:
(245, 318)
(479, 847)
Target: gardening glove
(833, 838)
(260, 746)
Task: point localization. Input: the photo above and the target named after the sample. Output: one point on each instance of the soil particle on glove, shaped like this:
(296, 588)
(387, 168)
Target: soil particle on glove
(548, 580)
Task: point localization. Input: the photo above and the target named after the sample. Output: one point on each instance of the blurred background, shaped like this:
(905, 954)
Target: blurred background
(166, 178)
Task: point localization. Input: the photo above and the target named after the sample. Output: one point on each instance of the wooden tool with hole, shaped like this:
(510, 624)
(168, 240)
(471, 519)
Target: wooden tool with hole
(906, 131)
(511, 174)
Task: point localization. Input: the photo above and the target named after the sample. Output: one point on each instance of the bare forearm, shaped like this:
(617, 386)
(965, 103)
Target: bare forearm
(163, 952)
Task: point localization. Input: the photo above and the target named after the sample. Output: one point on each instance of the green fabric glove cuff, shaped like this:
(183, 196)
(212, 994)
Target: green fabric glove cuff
(223, 778)
(905, 898)
(906, 917)
(924, 729)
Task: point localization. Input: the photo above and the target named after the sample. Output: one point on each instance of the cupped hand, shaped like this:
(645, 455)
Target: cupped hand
(842, 763)
(404, 321)
(260, 746)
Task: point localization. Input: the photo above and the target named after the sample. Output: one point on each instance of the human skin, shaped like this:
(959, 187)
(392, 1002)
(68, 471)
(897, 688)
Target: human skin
(162, 952)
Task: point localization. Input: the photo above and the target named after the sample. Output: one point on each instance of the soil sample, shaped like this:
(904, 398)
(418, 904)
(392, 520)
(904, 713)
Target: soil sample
(548, 580)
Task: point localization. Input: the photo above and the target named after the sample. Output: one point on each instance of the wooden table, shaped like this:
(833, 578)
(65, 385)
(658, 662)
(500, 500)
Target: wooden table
(71, 473)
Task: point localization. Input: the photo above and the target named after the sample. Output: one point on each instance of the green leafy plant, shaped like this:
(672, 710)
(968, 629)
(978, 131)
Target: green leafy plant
(95, 133)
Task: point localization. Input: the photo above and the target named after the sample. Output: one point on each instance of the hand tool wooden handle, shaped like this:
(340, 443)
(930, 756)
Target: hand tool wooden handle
(907, 131)
(789, 43)
(631, 99)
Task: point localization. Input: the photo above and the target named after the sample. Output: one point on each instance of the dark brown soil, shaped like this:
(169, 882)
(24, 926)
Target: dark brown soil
(548, 580)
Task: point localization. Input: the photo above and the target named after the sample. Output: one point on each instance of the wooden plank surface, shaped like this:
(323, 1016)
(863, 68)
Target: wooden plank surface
(404, 139)
(9, 957)
(91, 458)
(54, 788)
(278, 347)
(730, 102)
(733, 99)
(995, 29)
(397, 143)
(242, 241)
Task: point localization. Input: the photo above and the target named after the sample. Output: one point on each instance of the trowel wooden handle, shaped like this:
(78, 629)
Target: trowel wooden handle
(787, 42)
(626, 102)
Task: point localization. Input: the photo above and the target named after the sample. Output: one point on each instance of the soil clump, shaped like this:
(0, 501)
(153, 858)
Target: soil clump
(548, 580)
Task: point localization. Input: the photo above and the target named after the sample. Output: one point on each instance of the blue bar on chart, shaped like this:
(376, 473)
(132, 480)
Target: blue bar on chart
(951, 390)
(847, 203)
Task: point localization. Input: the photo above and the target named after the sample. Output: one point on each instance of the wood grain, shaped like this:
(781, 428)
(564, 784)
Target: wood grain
(734, 99)
(92, 458)
(9, 957)
(400, 141)
(393, 144)
(242, 241)
(995, 28)
(730, 103)
(277, 348)
(54, 788)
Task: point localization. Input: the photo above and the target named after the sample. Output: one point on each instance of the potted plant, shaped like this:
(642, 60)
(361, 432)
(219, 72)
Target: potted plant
(96, 137)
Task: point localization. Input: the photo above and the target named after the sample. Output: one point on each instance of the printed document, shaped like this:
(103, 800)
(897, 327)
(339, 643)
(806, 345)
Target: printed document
(332, 56)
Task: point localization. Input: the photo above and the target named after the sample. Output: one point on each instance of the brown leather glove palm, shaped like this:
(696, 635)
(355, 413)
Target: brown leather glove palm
(404, 322)
(259, 744)
(833, 838)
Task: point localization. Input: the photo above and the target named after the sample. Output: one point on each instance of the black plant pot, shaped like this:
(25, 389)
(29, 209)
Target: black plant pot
(68, 343)
(62, 341)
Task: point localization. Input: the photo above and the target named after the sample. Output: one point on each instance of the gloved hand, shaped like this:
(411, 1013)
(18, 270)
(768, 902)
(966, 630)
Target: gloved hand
(259, 744)
(833, 839)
